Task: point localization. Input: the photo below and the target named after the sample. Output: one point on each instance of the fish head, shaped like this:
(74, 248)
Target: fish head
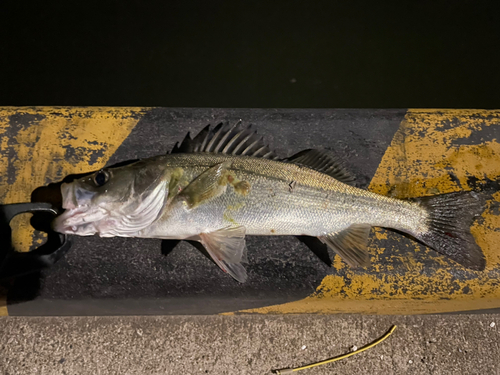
(113, 201)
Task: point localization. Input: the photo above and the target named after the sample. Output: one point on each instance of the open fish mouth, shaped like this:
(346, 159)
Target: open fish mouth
(80, 220)
(80, 216)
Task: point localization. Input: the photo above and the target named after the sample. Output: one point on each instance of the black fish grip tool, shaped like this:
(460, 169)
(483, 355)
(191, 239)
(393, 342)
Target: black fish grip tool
(14, 263)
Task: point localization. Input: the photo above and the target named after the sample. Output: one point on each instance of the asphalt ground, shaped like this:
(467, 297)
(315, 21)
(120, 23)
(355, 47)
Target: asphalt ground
(249, 344)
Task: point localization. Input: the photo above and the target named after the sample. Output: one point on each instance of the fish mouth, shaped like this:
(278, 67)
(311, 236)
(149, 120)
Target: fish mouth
(80, 216)
(80, 220)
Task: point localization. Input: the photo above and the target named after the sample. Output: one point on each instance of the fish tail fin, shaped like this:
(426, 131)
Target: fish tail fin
(448, 226)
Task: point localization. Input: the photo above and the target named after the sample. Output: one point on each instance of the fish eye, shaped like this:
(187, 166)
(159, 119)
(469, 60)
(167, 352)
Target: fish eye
(101, 177)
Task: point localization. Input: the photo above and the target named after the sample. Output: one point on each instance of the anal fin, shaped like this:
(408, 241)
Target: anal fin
(227, 248)
(350, 244)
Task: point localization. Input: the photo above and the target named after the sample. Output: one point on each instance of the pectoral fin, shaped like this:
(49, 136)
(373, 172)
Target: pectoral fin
(227, 249)
(350, 244)
(206, 186)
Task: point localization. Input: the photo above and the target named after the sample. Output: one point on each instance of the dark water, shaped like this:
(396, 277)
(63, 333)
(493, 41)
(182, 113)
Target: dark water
(251, 54)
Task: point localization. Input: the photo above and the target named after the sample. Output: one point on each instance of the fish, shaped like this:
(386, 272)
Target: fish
(226, 183)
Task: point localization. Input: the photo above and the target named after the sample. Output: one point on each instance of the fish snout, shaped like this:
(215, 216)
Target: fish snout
(75, 196)
(74, 221)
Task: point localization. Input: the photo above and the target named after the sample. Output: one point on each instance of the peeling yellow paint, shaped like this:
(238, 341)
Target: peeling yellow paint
(379, 234)
(429, 145)
(40, 145)
(338, 263)
(23, 234)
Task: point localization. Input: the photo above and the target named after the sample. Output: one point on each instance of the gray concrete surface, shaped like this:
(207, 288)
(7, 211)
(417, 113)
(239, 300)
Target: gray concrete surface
(250, 344)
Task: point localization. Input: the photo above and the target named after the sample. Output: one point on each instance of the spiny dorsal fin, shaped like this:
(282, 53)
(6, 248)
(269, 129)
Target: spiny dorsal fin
(237, 139)
(323, 161)
(350, 244)
(188, 145)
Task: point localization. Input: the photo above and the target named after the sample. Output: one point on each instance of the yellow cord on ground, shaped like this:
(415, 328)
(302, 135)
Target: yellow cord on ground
(376, 342)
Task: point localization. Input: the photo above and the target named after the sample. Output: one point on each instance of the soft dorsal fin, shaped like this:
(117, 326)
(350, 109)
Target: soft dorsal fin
(237, 139)
(323, 161)
(350, 244)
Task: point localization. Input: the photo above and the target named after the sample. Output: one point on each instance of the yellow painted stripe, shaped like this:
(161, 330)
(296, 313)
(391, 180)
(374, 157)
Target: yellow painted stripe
(49, 144)
(3, 302)
(422, 153)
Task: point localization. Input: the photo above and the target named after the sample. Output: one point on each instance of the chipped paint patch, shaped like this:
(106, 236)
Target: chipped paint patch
(40, 145)
(433, 152)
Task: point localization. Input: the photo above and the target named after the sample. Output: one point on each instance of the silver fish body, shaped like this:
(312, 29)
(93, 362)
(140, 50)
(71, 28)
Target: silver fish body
(217, 197)
(275, 198)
